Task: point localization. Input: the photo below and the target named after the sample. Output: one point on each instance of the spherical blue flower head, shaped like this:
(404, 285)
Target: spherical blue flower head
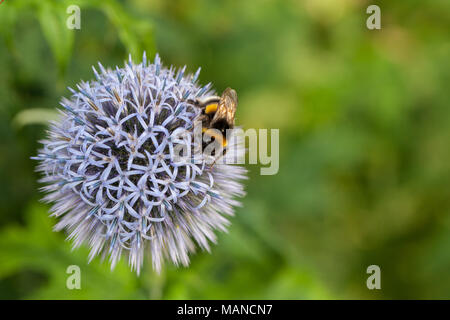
(111, 172)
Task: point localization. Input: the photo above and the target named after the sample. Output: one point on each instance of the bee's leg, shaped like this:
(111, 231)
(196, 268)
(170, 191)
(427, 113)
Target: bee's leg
(202, 118)
(217, 158)
(224, 151)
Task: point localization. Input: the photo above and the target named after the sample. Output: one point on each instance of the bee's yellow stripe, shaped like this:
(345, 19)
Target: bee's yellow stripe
(213, 133)
(210, 108)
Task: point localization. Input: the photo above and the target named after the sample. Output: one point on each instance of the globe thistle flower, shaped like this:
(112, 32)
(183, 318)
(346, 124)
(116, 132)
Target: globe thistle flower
(111, 172)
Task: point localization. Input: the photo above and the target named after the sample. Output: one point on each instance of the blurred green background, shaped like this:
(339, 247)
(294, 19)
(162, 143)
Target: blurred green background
(364, 121)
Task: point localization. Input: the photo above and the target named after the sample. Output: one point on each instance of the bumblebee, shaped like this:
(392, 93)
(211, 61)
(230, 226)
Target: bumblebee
(218, 113)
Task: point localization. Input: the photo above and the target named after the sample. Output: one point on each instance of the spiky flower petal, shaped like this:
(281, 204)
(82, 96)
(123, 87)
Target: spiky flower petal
(111, 172)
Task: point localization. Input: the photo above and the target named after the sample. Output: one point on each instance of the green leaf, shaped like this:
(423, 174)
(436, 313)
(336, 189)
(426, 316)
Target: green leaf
(35, 116)
(8, 17)
(136, 34)
(52, 17)
(37, 248)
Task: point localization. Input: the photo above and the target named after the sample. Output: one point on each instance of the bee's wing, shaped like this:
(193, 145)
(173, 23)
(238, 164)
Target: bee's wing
(227, 107)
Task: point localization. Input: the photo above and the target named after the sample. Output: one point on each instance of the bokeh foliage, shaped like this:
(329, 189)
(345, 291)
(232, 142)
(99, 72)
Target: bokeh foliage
(364, 123)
